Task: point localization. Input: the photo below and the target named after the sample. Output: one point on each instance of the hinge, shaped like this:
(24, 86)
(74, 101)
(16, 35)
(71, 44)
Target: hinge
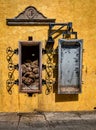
(43, 81)
(16, 81)
(16, 51)
(43, 66)
(43, 51)
(16, 66)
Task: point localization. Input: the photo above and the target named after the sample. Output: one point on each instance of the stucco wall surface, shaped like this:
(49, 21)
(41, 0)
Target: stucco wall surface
(82, 13)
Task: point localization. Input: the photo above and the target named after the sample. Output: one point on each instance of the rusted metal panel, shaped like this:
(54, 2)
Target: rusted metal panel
(30, 66)
(69, 66)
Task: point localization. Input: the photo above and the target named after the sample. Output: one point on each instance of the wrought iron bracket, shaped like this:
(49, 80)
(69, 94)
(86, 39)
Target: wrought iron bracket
(66, 33)
(51, 25)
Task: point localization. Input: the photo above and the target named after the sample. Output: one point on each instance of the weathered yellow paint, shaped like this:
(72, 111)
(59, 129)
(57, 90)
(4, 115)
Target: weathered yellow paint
(83, 16)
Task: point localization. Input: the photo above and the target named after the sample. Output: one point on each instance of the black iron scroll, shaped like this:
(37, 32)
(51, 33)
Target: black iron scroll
(11, 67)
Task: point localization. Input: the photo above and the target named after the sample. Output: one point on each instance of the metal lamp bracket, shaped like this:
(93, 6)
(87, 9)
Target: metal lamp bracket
(68, 31)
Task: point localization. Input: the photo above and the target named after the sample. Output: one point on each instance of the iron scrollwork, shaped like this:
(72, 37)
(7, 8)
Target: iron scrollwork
(11, 67)
(49, 71)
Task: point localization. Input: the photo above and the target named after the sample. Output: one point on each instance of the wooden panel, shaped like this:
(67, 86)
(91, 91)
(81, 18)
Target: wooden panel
(69, 66)
(30, 66)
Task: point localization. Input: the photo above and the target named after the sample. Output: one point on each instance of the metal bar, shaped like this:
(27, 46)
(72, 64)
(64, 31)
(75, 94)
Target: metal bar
(65, 24)
(65, 32)
(57, 30)
(51, 25)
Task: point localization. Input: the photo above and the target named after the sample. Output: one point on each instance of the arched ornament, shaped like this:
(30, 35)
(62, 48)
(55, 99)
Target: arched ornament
(30, 16)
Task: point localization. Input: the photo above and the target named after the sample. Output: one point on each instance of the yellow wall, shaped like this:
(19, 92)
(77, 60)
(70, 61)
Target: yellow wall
(82, 13)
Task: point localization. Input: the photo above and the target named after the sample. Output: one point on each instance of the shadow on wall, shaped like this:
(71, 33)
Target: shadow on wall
(61, 97)
(65, 98)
